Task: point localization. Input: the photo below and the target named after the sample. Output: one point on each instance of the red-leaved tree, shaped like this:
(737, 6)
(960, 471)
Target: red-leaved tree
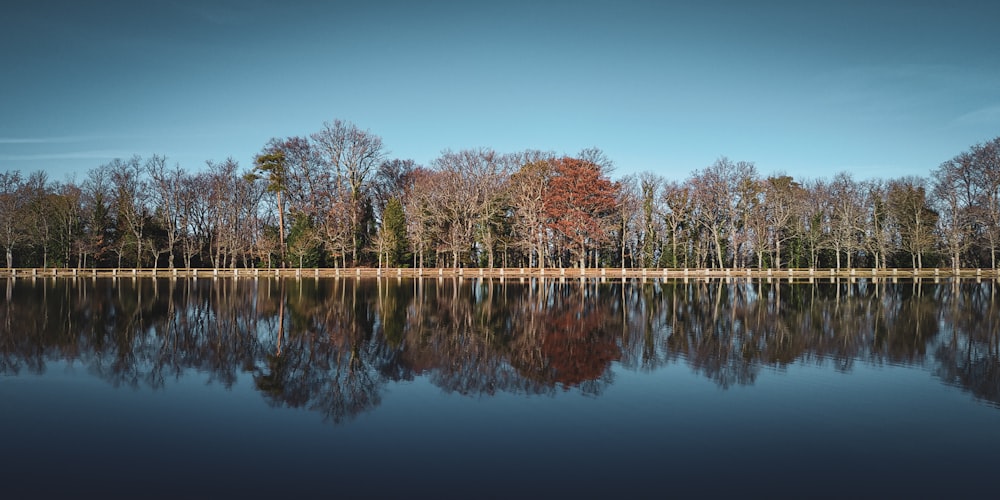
(578, 204)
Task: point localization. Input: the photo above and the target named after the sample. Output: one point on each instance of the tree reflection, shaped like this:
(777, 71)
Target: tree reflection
(334, 345)
(482, 336)
(323, 355)
(970, 357)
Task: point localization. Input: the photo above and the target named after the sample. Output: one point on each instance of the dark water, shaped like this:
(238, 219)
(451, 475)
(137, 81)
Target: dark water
(482, 389)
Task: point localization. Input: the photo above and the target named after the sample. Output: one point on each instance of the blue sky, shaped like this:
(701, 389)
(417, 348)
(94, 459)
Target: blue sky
(877, 89)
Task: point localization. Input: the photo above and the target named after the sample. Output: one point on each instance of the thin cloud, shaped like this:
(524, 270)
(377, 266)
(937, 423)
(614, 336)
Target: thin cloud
(72, 155)
(981, 116)
(43, 140)
(67, 139)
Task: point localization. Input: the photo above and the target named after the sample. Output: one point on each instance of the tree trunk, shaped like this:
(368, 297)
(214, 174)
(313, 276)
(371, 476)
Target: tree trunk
(622, 257)
(540, 255)
(673, 249)
(718, 248)
(281, 228)
(777, 254)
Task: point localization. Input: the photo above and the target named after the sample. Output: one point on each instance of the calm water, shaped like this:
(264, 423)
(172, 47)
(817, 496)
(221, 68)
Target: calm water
(479, 389)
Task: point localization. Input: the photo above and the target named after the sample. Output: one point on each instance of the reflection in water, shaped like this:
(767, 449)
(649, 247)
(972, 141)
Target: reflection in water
(333, 345)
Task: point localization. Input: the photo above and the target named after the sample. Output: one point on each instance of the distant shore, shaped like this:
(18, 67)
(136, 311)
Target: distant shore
(512, 273)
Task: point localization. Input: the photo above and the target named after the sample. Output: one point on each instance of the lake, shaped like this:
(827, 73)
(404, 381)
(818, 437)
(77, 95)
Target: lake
(483, 388)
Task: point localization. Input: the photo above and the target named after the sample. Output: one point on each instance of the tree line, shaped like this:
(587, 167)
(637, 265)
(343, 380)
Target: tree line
(335, 198)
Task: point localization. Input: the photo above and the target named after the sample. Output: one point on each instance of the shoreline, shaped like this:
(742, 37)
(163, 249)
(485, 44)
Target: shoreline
(514, 273)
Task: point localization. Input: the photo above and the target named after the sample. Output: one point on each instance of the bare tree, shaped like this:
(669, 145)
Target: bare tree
(474, 191)
(955, 213)
(967, 192)
(392, 180)
(305, 178)
(353, 155)
(167, 190)
(99, 227)
(420, 204)
(878, 225)
(678, 207)
(193, 222)
(813, 219)
(227, 199)
(527, 191)
(907, 203)
(985, 166)
(759, 224)
(12, 206)
(596, 156)
(957, 190)
(630, 233)
(724, 193)
(846, 217)
(649, 230)
(710, 210)
(39, 213)
(130, 202)
(783, 197)
(67, 220)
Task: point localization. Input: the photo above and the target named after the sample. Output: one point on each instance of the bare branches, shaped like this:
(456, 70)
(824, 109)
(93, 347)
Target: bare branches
(330, 192)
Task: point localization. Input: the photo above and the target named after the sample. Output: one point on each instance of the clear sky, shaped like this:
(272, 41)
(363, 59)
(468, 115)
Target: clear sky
(874, 88)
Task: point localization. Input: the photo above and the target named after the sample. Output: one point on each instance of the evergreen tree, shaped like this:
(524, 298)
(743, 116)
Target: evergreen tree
(394, 233)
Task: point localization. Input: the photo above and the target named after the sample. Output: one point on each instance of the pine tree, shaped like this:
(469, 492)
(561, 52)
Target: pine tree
(394, 233)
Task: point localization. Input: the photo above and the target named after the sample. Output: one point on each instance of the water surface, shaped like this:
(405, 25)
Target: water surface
(482, 388)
